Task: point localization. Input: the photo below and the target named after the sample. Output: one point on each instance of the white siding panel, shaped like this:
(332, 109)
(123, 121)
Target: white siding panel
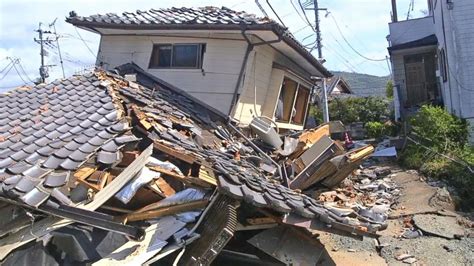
(410, 30)
(214, 84)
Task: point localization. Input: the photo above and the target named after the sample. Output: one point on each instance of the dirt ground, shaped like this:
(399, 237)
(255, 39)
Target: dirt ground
(435, 245)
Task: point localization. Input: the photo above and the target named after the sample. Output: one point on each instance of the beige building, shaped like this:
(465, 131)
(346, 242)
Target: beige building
(239, 64)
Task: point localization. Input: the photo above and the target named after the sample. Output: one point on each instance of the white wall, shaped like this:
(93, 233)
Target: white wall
(459, 34)
(214, 85)
(410, 30)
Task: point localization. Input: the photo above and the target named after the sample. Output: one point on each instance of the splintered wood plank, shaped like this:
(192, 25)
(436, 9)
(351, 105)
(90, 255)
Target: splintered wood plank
(360, 153)
(49, 224)
(182, 178)
(172, 152)
(207, 175)
(308, 138)
(165, 187)
(165, 211)
(84, 173)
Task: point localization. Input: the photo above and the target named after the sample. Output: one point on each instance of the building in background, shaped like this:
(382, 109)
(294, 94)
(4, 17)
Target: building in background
(433, 58)
(338, 87)
(241, 65)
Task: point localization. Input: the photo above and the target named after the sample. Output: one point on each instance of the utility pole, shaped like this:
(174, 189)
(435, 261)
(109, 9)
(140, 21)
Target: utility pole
(43, 70)
(394, 11)
(317, 29)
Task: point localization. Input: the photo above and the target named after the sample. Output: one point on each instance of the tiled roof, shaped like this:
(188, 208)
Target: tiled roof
(207, 18)
(239, 179)
(183, 15)
(48, 131)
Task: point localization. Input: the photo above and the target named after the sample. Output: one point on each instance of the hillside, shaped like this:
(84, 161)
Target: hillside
(363, 84)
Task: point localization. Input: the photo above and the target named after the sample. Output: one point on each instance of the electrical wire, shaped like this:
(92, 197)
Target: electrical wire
(305, 16)
(8, 71)
(349, 44)
(276, 14)
(18, 72)
(457, 80)
(5, 67)
(84, 42)
(298, 12)
(23, 71)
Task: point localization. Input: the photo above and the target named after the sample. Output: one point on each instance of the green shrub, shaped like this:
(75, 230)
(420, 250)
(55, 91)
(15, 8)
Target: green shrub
(350, 110)
(444, 131)
(445, 134)
(375, 129)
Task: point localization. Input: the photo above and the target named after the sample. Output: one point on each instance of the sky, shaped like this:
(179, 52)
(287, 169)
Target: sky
(352, 31)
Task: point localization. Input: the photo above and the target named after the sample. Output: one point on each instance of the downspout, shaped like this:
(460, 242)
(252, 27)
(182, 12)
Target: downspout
(249, 49)
(453, 36)
(446, 57)
(241, 73)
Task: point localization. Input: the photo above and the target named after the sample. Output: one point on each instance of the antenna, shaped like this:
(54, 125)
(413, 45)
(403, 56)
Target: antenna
(53, 24)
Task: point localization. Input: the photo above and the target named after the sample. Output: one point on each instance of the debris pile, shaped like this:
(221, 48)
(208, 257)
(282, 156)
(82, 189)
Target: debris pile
(106, 156)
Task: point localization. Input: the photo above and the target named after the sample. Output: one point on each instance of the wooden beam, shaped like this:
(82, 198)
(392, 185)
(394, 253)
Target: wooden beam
(169, 210)
(172, 152)
(182, 178)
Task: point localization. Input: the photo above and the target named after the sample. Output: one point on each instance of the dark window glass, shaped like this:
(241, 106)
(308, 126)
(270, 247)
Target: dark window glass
(164, 56)
(177, 55)
(161, 56)
(185, 55)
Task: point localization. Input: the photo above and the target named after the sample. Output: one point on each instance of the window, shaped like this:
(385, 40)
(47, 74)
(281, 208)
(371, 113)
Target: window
(177, 56)
(292, 103)
(443, 65)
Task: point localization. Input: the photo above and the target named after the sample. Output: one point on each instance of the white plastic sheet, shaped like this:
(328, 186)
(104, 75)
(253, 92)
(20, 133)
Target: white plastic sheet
(165, 165)
(129, 190)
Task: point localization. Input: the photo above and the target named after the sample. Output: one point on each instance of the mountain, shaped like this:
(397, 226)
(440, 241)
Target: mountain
(363, 84)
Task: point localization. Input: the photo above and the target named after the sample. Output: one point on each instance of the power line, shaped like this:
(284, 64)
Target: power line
(276, 14)
(305, 16)
(23, 71)
(261, 9)
(299, 14)
(14, 62)
(5, 67)
(84, 42)
(348, 43)
(8, 71)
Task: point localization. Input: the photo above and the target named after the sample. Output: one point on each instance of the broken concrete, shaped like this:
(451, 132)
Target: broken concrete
(442, 226)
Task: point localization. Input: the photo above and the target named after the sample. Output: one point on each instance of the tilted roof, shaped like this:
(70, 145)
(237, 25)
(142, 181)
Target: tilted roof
(204, 18)
(50, 131)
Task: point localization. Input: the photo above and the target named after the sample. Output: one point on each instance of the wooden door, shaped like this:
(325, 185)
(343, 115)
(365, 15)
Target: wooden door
(416, 83)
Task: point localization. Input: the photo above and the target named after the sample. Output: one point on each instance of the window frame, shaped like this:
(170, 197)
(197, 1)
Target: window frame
(295, 97)
(201, 49)
(443, 65)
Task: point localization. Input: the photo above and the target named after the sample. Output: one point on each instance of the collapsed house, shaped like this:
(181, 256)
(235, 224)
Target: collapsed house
(108, 156)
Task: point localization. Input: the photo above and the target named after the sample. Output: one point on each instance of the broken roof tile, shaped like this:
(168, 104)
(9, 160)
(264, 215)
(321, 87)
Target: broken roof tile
(56, 179)
(109, 157)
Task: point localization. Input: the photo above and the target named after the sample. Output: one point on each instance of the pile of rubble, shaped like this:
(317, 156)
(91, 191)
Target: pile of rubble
(87, 160)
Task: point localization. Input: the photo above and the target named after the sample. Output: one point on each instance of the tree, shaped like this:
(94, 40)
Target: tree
(389, 89)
